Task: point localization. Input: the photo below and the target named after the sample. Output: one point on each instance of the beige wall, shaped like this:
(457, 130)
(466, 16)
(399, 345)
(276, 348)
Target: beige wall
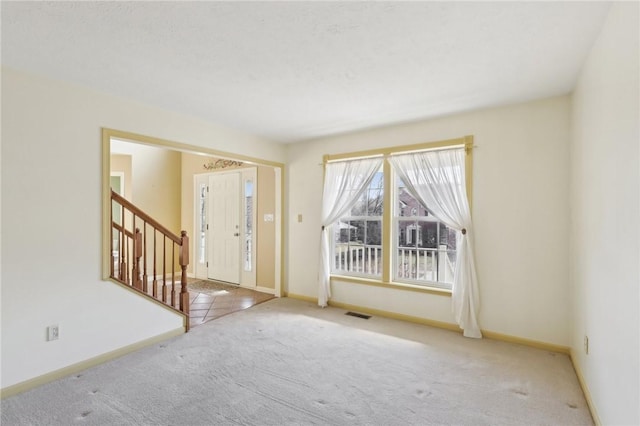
(605, 219)
(155, 185)
(520, 212)
(122, 163)
(266, 231)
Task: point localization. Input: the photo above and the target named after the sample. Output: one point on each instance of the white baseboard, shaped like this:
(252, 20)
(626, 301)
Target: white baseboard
(88, 363)
(265, 290)
(439, 324)
(585, 389)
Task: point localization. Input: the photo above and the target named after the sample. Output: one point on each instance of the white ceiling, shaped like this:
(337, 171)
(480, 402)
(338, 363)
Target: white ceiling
(290, 71)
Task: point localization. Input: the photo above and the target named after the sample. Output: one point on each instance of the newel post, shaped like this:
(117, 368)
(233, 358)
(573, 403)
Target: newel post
(184, 262)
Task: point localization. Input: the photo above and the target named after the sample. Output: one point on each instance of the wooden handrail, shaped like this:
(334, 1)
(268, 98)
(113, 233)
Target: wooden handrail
(129, 246)
(142, 215)
(120, 228)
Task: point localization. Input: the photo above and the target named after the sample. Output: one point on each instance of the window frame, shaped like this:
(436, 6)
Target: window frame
(348, 219)
(389, 220)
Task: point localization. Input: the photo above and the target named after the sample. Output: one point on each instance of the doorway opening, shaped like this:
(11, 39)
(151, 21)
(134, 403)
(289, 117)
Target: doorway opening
(169, 180)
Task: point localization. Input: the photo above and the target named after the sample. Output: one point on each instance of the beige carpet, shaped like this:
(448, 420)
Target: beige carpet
(286, 362)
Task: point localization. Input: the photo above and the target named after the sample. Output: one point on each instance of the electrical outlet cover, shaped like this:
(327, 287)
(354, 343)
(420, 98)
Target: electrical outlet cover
(53, 332)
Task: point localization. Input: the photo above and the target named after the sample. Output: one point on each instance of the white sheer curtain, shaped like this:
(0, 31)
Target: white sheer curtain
(437, 180)
(344, 182)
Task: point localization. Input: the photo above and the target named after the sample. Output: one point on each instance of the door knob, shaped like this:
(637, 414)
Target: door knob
(236, 234)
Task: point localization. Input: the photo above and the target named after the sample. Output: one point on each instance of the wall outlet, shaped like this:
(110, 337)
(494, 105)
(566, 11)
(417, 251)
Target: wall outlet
(53, 332)
(586, 345)
(268, 217)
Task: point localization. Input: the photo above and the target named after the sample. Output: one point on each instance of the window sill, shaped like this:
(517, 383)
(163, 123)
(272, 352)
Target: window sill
(393, 285)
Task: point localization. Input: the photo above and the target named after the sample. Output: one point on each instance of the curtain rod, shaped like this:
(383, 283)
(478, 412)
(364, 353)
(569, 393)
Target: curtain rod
(390, 154)
(362, 157)
(465, 141)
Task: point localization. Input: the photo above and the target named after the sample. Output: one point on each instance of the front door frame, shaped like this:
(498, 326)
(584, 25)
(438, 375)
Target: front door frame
(248, 275)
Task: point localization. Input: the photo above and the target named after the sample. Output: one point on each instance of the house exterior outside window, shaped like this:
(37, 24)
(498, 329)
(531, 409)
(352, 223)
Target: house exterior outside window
(357, 248)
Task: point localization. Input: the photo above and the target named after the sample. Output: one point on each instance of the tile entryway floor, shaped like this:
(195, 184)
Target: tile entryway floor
(204, 307)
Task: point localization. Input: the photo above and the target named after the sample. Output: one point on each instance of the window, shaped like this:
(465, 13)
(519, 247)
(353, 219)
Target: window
(202, 232)
(358, 237)
(394, 238)
(247, 247)
(425, 247)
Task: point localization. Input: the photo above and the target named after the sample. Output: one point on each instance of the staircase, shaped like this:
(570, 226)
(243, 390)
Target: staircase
(146, 256)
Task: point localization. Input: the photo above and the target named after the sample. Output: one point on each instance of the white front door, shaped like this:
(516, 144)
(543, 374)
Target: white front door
(224, 227)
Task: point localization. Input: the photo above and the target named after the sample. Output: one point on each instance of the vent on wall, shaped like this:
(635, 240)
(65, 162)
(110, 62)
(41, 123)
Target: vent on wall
(355, 314)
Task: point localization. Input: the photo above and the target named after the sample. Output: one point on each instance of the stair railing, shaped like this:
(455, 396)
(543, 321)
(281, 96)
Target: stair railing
(136, 237)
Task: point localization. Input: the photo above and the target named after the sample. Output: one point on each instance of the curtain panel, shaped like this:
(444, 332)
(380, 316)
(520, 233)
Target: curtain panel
(344, 182)
(437, 180)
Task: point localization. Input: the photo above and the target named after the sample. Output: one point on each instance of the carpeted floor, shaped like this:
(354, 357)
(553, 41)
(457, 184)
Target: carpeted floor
(287, 362)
